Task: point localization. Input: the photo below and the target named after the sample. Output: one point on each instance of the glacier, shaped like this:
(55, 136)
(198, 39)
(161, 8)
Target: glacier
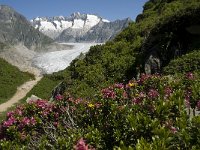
(55, 61)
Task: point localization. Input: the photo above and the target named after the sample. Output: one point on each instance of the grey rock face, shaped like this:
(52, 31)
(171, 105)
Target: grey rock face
(152, 64)
(104, 31)
(14, 29)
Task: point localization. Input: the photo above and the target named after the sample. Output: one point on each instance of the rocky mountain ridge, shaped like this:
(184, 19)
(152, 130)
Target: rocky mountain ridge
(79, 27)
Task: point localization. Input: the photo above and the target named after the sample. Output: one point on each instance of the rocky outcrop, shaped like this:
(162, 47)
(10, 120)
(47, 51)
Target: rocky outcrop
(32, 98)
(58, 90)
(152, 64)
(171, 39)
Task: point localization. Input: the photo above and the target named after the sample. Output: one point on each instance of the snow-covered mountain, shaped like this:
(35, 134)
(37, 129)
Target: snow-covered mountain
(76, 27)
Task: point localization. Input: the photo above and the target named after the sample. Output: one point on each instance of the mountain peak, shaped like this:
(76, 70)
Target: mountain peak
(76, 26)
(76, 14)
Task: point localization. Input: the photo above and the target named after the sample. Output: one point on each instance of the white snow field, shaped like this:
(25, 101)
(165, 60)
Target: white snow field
(58, 60)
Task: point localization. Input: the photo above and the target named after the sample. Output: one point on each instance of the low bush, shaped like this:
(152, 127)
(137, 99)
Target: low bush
(149, 113)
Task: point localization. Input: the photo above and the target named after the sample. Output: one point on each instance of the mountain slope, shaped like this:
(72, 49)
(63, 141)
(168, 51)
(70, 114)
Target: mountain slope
(79, 27)
(14, 29)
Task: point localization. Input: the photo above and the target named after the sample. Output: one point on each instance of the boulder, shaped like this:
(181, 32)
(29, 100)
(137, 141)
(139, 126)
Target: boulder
(32, 98)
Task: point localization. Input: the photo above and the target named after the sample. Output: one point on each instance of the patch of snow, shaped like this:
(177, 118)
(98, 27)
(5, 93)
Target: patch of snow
(61, 17)
(66, 24)
(91, 21)
(105, 20)
(78, 23)
(45, 25)
(36, 26)
(58, 24)
(37, 19)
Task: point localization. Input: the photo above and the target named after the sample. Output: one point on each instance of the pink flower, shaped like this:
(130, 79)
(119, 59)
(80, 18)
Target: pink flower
(55, 124)
(108, 93)
(137, 100)
(59, 97)
(33, 121)
(198, 105)
(81, 145)
(173, 129)
(9, 122)
(125, 95)
(9, 114)
(190, 76)
(143, 78)
(97, 105)
(56, 115)
(167, 92)
(18, 112)
(119, 85)
(25, 121)
(78, 101)
(187, 98)
(153, 93)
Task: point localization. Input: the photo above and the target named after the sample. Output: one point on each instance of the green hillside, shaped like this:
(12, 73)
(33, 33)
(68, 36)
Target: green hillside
(161, 30)
(10, 78)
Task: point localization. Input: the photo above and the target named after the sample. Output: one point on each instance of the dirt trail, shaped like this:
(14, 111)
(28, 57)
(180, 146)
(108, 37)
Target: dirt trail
(21, 93)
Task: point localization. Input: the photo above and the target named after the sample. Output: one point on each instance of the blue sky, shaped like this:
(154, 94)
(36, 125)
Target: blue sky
(108, 9)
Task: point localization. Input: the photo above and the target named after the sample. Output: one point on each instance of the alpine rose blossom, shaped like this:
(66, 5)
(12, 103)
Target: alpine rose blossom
(153, 93)
(108, 93)
(81, 145)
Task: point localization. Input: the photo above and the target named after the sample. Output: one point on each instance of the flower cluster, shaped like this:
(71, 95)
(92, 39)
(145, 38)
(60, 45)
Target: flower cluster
(108, 93)
(81, 145)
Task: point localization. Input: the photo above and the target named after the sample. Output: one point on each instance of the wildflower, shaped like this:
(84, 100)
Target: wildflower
(167, 91)
(131, 84)
(78, 101)
(81, 145)
(33, 121)
(187, 98)
(137, 100)
(56, 115)
(91, 105)
(25, 121)
(143, 78)
(108, 93)
(9, 114)
(198, 105)
(98, 105)
(119, 85)
(153, 93)
(190, 76)
(125, 95)
(9, 122)
(55, 124)
(173, 129)
(18, 112)
(59, 97)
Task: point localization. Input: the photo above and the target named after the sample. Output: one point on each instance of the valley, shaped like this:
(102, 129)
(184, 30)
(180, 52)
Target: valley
(38, 64)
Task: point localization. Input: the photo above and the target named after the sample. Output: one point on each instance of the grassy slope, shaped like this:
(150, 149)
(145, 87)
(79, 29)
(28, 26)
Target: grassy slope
(10, 78)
